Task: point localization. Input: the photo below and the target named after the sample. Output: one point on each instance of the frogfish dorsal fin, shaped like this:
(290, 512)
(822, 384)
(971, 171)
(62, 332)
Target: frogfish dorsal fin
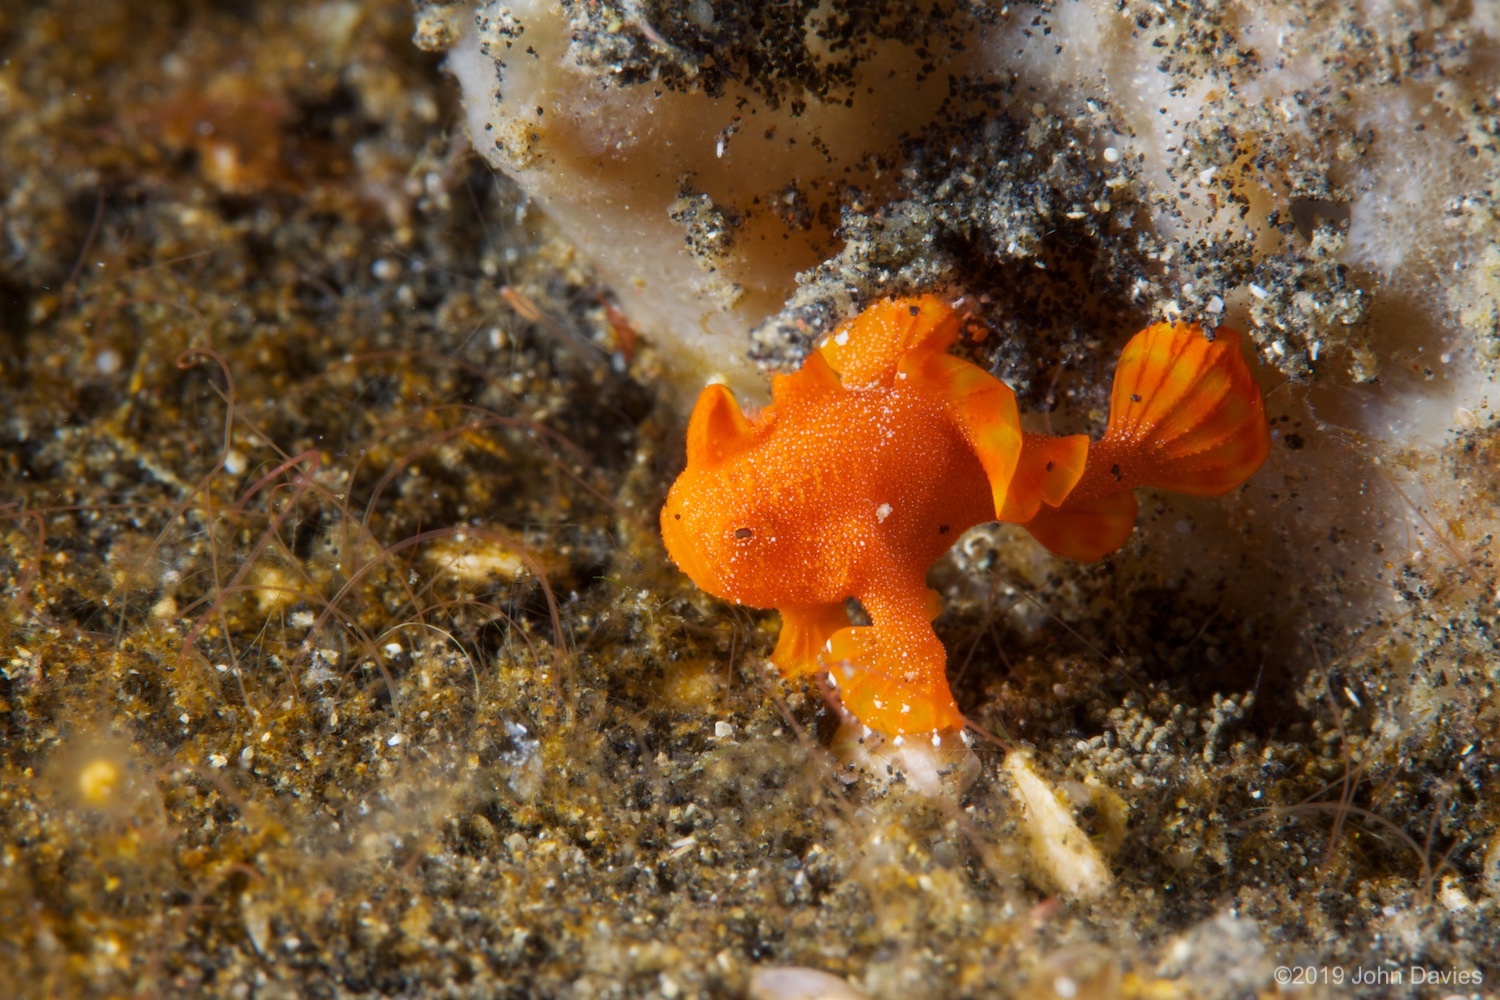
(866, 349)
(808, 384)
(980, 405)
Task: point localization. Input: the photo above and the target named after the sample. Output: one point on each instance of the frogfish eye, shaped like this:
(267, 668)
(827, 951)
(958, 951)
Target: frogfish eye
(743, 533)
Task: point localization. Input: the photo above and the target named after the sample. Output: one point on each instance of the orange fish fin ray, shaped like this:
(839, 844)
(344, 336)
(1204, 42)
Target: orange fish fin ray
(718, 428)
(1048, 470)
(867, 348)
(982, 407)
(1087, 531)
(1185, 412)
(804, 633)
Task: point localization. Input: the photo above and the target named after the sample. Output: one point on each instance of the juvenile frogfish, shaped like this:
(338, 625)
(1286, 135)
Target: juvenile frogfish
(883, 448)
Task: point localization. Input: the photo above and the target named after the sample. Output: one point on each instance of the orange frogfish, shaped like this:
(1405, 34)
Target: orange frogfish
(883, 448)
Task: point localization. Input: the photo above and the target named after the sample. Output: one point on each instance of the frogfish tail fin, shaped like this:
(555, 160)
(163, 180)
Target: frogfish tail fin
(1185, 413)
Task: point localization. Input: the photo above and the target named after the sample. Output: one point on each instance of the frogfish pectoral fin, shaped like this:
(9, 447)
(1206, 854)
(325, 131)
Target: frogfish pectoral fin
(894, 682)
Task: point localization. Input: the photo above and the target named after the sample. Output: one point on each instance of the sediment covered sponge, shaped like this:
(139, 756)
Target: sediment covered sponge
(697, 203)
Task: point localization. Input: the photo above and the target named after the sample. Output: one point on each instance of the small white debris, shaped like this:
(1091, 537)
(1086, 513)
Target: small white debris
(1452, 895)
(257, 919)
(882, 512)
(1111, 154)
(935, 768)
(723, 730)
(1206, 175)
(1489, 870)
(395, 741)
(1063, 858)
(217, 761)
(841, 338)
(1215, 305)
(108, 361)
(1259, 292)
(794, 983)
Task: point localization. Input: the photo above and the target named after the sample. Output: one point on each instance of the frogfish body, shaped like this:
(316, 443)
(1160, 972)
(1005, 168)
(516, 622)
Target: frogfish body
(883, 448)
